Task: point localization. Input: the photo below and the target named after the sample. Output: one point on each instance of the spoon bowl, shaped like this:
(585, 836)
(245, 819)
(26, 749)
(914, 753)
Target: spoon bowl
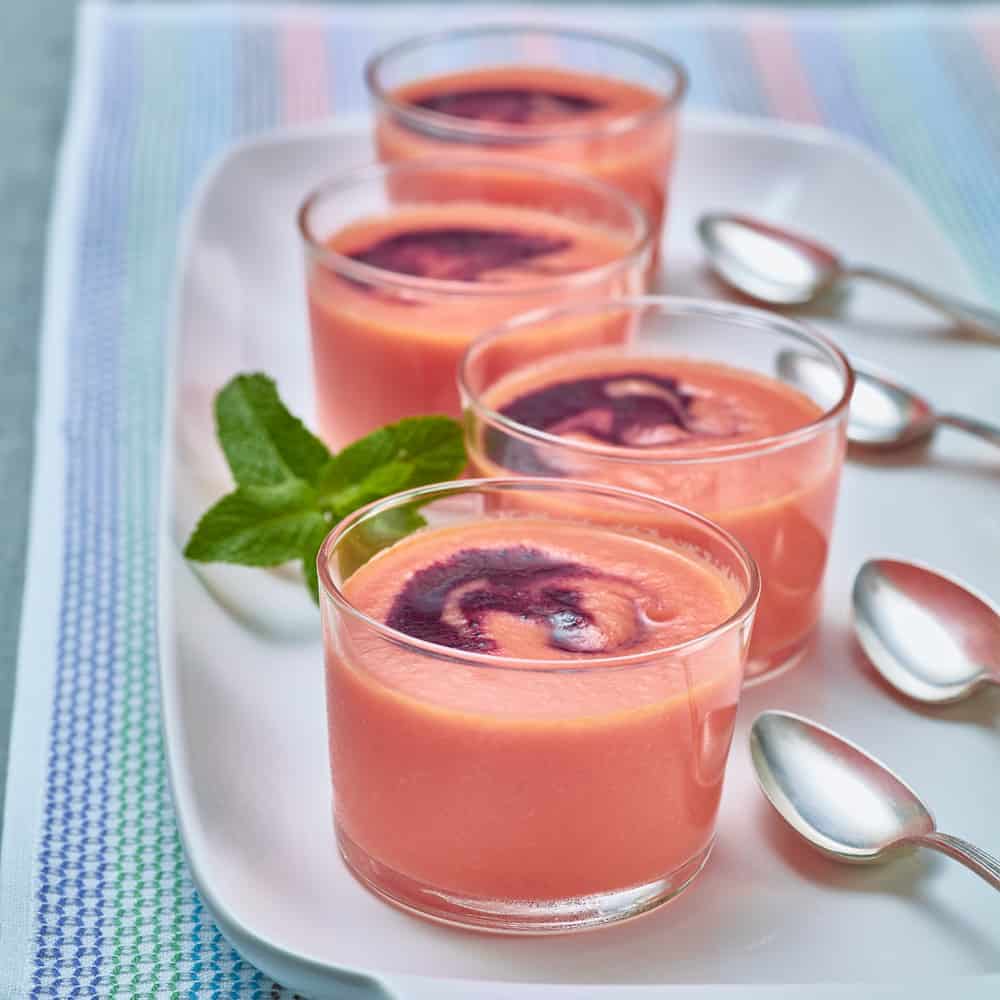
(778, 267)
(884, 413)
(769, 264)
(930, 636)
(843, 801)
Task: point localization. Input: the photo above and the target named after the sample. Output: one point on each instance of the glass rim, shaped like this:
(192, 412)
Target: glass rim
(445, 125)
(369, 274)
(536, 484)
(713, 309)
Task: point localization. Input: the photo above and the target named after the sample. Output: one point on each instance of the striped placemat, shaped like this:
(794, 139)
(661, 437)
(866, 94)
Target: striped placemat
(96, 900)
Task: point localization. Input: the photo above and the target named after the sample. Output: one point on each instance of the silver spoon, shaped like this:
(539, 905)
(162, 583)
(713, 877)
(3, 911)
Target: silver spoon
(884, 413)
(929, 636)
(782, 268)
(844, 802)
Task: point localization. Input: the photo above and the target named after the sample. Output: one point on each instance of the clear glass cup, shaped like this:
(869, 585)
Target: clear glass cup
(429, 98)
(520, 794)
(406, 263)
(776, 493)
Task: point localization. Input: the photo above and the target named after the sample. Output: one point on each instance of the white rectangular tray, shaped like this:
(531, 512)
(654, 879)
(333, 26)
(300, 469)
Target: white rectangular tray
(241, 662)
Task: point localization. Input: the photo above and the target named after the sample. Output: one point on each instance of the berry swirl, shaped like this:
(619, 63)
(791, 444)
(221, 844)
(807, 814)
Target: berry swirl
(620, 409)
(461, 253)
(457, 601)
(509, 105)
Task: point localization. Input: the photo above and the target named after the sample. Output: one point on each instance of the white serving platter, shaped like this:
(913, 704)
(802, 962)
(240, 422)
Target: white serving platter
(240, 658)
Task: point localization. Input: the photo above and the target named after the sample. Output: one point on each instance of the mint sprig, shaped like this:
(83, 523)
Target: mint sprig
(290, 491)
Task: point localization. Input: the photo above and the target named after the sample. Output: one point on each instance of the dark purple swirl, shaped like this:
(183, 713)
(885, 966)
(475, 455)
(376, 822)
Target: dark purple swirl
(458, 253)
(628, 409)
(508, 105)
(447, 602)
(624, 409)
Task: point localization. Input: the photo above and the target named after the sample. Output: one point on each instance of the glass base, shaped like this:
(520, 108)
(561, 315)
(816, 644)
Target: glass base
(778, 663)
(516, 916)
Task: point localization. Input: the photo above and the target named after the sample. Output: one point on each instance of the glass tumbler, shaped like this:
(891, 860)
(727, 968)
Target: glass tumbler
(775, 492)
(601, 104)
(512, 747)
(406, 263)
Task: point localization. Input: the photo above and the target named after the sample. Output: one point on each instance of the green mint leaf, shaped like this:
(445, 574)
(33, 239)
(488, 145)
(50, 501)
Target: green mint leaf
(413, 452)
(348, 467)
(382, 481)
(263, 443)
(258, 525)
(434, 445)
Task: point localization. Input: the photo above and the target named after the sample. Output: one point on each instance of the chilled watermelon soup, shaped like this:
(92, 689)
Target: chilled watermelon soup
(752, 453)
(523, 98)
(605, 106)
(530, 715)
(406, 265)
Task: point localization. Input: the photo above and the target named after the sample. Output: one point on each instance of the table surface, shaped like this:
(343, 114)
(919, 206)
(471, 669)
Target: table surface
(33, 84)
(34, 80)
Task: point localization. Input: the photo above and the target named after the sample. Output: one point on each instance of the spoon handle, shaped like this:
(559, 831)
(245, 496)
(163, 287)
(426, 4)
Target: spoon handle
(977, 321)
(981, 429)
(974, 858)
